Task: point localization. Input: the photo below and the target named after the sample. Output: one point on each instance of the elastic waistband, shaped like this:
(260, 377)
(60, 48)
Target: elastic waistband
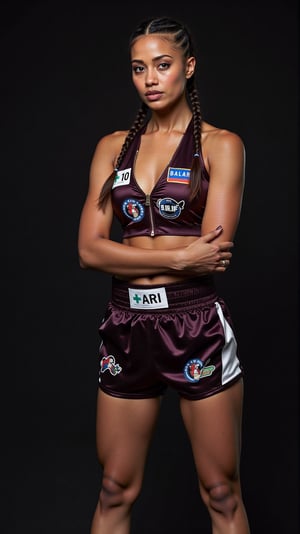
(174, 295)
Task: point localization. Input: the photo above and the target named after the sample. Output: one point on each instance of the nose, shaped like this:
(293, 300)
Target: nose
(151, 77)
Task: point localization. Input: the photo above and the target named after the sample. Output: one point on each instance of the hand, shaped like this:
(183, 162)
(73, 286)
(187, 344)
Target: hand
(203, 256)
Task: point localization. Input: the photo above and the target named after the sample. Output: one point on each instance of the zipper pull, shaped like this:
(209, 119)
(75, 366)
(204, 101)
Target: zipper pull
(147, 203)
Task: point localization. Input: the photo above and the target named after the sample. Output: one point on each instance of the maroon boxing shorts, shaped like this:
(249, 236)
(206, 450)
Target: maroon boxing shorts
(177, 335)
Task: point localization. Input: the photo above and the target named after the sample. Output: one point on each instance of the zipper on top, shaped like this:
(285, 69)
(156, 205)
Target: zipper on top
(148, 204)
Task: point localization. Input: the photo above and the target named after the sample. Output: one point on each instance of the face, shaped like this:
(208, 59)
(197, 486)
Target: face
(159, 71)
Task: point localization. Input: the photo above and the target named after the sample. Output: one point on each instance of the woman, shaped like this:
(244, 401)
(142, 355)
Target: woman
(175, 183)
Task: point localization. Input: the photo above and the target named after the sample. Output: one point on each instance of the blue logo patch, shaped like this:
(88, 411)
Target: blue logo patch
(170, 208)
(195, 369)
(178, 175)
(133, 209)
(192, 370)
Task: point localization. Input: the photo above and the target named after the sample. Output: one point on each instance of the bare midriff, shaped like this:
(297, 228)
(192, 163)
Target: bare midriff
(159, 243)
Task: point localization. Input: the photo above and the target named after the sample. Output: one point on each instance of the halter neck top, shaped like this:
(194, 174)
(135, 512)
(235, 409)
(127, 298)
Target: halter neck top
(167, 210)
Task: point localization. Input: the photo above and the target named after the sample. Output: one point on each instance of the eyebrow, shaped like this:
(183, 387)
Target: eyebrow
(157, 58)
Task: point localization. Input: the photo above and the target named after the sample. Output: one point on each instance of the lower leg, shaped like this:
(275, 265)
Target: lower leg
(214, 428)
(123, 440)
(112, 514)
(225, 506)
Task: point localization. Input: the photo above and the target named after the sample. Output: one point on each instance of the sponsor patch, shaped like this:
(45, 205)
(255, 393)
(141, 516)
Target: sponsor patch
(142, 299)
(195, 369)
(178, 175)
(133, 209)
(122, 178)
(170, 208)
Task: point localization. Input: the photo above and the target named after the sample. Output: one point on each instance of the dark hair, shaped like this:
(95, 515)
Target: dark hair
(183, 40)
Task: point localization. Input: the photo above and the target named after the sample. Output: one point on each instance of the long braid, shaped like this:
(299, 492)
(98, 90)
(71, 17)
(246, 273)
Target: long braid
(138, 122)
(196, 168)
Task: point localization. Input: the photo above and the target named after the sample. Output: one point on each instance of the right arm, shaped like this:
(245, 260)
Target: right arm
(98, 251)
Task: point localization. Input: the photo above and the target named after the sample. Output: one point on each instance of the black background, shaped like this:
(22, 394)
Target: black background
(65, 83)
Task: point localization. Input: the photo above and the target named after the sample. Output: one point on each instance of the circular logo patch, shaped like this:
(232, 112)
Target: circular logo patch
(170, 208)
(192, 370)
(133, 209)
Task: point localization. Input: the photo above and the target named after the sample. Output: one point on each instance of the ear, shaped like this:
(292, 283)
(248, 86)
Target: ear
(190, 67)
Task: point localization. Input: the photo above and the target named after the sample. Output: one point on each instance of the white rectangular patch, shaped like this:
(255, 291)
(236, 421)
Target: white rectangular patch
(148, 299)
(122, 178)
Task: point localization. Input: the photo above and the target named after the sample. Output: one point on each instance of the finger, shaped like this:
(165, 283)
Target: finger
(223, 264)
(226, 245)
(226, 256)
(210, 236)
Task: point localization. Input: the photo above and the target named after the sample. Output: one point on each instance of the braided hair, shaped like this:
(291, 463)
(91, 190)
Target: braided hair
(182, 39)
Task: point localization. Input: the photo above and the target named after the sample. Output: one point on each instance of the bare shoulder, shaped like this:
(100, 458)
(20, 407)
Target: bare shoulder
(217, 140)
(111, 143)
(224, 154)
(105, 157)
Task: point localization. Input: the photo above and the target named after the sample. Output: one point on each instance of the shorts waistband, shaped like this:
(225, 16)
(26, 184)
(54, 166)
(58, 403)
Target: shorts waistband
(174, 295)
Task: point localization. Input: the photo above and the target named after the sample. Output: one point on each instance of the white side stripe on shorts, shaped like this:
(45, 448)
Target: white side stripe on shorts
(230, 361)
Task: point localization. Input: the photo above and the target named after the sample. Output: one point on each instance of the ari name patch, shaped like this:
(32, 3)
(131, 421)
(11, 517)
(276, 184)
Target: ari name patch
(178, 175)
(148, 299)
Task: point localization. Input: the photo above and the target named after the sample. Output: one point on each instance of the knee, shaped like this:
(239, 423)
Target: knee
(223, 499)
(114, 493)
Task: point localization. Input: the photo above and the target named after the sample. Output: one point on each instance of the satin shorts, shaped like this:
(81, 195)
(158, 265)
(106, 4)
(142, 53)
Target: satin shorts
(177, 335)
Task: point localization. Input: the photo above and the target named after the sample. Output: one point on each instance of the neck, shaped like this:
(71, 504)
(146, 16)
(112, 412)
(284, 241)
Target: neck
(167, 121)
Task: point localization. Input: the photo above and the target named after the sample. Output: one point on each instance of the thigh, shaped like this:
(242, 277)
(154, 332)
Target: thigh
(123, 431)
(214, 428)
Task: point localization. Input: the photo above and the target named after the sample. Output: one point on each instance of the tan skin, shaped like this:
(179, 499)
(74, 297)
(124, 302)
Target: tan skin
(213, 424)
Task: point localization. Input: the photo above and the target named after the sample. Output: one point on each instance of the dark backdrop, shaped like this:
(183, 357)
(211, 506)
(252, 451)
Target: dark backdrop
(65, 83)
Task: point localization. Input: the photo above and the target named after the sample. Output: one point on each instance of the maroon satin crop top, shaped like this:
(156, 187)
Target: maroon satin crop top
(167, 210)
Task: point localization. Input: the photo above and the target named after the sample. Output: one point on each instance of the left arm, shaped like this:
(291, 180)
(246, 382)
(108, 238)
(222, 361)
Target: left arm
(225, 154)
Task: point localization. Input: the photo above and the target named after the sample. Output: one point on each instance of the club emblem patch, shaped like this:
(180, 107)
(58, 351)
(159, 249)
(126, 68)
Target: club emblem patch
(133, 209)
(194, 370)
(108, 363)
(170, 208)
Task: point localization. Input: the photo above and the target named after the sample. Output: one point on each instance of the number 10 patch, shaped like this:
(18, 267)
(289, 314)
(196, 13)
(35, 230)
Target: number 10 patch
(122, 178)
